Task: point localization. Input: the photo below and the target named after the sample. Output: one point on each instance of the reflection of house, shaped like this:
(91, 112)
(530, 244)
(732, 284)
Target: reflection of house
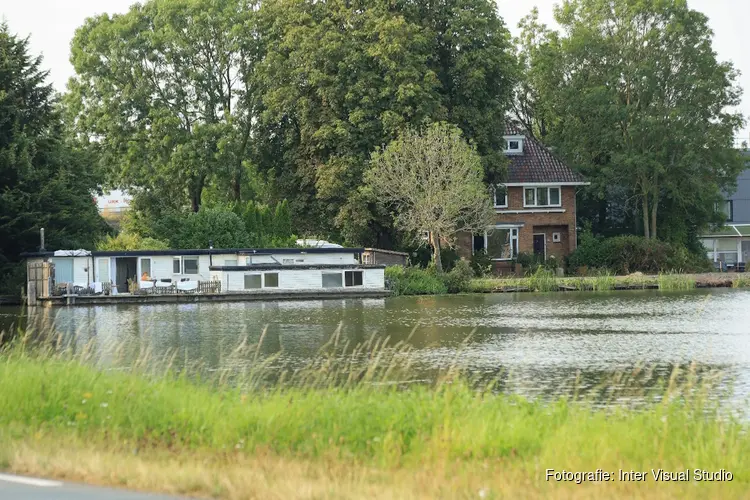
(536, 207)
(731, 244)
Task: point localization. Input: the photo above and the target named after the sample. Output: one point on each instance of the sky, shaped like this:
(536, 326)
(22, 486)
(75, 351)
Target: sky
(50, 24)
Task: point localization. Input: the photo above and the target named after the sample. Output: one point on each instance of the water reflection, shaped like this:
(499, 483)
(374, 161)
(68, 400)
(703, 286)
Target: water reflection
(533, 344)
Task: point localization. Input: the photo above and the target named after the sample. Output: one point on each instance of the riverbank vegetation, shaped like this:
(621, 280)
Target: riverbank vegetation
(348, 425)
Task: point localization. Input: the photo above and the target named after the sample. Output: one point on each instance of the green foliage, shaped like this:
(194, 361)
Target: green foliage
(130, 241)
(311, 416)
(165, 91)
(629, 254)
(457, 280)
(47, 178)
(481, 264)
(432, 180)
(633, 95)
(267, 227)
(674, 281)
(221, 226)
(542, 280)
(341, 79)
(414, 281)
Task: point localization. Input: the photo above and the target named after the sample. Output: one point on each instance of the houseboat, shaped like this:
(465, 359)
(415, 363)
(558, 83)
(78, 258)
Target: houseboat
(212, 274)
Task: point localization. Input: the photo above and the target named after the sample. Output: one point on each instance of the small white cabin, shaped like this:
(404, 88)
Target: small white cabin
(238, 270)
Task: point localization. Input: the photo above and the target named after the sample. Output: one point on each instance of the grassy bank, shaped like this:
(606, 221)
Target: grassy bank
(343, 432)
(544, 281)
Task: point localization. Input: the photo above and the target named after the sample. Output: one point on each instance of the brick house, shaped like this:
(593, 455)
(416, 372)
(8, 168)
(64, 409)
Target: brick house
(535, 209)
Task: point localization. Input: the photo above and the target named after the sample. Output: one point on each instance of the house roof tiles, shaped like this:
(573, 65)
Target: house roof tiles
(536, 164)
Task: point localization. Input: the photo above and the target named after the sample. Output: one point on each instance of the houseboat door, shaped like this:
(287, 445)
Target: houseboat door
(540, 245)
(125, 268)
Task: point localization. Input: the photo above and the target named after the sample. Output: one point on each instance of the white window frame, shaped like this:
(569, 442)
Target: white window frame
(360, 271)
(106, 267)
(535, 204)
(278, 279)
(197, 265)
(179, 263)
(245, 276)
(513, 236)
(494, 196)
(150, 266)
(514, 138)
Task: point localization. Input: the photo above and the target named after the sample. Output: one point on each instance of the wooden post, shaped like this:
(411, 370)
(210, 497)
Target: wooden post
(31, 296)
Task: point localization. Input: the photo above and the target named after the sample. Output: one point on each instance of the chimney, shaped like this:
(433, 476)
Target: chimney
(41, 237)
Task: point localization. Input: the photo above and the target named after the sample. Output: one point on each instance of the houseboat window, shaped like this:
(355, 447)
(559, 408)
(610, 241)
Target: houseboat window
(190, 265)
(230, 262)
(176, 265)
(501, 196)
(271, 280)
(287, 262)
(146, 267)
(501, 243)
(252, 281)
(332, 280)
(542, 197)
(63, 270)
(104, 270)
(353, 278)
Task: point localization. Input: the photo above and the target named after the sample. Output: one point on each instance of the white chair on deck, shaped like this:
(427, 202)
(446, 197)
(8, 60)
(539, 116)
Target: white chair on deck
(187, 286)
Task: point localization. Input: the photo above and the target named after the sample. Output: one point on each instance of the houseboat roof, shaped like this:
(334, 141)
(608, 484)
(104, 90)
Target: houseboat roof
(194, 251)
(536, 164)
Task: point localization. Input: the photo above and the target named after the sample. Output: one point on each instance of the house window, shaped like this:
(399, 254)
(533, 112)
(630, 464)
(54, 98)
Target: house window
(514, 144)
(500, 244)
(190, 265)
(252, 281)
(271, 280)
(146, 267)
(353, 278)
(332, 280)
(500, 194)
(541, 197)
(727, 208)
(176, 265)
(104, 270)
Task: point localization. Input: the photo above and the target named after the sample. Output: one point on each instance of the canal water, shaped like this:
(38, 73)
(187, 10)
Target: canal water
(537, 345)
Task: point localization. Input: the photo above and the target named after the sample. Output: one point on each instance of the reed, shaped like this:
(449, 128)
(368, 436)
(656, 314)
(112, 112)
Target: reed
(741, 282)
(675, 281)
(352, 412)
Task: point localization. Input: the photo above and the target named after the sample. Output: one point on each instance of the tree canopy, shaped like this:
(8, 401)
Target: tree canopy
(433, 182)
(46, 179)
(632, 94)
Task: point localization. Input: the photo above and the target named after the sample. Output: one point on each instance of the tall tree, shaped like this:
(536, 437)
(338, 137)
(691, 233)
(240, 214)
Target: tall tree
(342, 78)
(46, 179)
(633, 94)
(433, 181)
(163, 92)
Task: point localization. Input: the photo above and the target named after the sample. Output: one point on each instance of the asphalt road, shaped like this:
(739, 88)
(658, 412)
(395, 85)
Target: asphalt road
(27, 488)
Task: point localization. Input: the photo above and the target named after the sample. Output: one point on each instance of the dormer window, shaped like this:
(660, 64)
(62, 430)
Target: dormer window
(513, 144)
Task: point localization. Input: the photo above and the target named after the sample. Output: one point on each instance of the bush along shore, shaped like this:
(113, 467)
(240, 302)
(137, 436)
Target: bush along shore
(419, 281)
(347, 427)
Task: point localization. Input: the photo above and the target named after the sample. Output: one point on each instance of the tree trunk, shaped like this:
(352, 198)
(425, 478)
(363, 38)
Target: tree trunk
(196, 193)
(644, 201)
(436, 252)
(654, 207)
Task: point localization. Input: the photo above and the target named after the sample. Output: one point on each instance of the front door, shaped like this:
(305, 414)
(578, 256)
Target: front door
(540, 245)
(126, 269)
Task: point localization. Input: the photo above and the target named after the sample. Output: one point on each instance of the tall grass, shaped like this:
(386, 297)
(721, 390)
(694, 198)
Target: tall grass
(675, 281)
(352, 405)
(741, 282)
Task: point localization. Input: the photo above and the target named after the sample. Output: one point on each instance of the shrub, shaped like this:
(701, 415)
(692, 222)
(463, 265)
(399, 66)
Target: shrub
(481, 264)
(628, 254)
(130, 241)
(414, 281)
(457, 279)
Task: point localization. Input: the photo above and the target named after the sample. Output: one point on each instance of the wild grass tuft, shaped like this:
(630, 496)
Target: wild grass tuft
(741, 282)
(675, 281)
